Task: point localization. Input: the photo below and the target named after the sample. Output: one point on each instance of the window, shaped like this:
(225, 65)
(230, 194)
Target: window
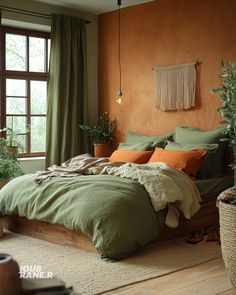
(23, 73)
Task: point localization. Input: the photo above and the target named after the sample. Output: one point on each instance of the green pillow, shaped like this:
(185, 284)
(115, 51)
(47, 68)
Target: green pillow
(135, 147)
(210, 165)
(195, 135)
(157, 141)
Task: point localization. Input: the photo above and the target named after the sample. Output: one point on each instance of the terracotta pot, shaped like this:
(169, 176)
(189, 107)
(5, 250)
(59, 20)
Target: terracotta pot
(10, 282)
(13, 149)
(102, 149)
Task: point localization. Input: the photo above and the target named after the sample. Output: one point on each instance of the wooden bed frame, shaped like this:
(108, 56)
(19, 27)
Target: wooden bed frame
(207, 216)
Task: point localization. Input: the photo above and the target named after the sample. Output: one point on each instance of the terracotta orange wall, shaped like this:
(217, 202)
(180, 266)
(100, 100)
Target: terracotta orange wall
(164, 32)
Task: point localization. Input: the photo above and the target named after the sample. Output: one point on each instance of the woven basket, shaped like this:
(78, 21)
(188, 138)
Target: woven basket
(228, 233)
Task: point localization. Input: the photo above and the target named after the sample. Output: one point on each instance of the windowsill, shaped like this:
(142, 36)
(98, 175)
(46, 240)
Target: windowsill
(31, 159)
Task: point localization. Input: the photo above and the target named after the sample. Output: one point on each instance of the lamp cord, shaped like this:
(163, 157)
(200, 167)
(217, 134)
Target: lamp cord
(119, 58)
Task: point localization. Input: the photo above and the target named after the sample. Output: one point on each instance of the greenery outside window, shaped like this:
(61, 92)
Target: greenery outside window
(23, 78)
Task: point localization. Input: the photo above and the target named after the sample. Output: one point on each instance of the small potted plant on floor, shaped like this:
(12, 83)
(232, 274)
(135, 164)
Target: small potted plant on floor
(101, 135)
(227, 199)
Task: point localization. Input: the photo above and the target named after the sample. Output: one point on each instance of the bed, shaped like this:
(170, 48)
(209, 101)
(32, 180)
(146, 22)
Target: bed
(104, 199)
(56, 233)
(117, 213)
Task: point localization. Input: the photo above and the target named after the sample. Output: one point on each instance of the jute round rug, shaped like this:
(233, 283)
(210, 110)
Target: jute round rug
(88, 274)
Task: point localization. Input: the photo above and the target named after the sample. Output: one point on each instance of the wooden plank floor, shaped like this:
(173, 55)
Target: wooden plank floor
(208, 278)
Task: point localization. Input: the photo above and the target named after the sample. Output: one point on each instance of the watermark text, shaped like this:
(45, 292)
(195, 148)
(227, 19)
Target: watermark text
(34, 272)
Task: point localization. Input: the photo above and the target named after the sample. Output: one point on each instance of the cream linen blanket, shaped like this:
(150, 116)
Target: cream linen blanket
(167, 187)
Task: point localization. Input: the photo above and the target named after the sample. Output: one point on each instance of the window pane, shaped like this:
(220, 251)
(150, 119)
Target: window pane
(15, 87)
(38, 134)
(38, 94)
(16, 105)
(18, 124)
(37, 54)
(15, 52)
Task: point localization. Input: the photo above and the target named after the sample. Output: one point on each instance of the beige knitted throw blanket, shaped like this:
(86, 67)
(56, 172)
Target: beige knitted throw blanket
(167, 187)
(175, 87)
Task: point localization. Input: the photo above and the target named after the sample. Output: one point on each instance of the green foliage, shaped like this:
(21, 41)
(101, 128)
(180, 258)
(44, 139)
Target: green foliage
(9, 166)
(102, 131)
(10, 141)
(227, 92)
(6, 152)
(9, 169)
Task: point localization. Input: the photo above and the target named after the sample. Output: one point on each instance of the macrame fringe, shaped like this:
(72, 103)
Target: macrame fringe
(175, 87)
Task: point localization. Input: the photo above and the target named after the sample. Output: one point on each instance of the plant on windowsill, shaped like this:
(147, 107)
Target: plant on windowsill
(11, 143)
(101, 135)
(227, 199)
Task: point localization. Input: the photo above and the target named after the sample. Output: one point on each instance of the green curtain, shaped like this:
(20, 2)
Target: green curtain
(67, 90)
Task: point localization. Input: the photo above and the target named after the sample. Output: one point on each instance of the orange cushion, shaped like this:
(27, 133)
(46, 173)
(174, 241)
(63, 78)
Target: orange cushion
(139, 157)
(187, 161)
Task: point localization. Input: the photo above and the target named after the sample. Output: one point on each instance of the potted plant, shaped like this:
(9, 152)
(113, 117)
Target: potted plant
(11, 142)
(101, 135)
(9, 165)
(227, 199)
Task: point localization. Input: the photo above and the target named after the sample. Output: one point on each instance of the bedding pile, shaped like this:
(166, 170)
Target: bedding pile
(120, 206)
(166, 186)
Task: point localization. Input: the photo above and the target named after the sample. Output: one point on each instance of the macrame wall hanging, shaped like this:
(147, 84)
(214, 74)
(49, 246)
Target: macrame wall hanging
(175, 87)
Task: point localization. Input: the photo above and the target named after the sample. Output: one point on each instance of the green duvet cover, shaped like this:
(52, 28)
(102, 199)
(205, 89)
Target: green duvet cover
(116, 213)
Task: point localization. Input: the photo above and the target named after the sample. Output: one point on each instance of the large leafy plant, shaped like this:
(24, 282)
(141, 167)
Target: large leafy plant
(102, 131)
(9, 169)
(227, 92)
(9, 165)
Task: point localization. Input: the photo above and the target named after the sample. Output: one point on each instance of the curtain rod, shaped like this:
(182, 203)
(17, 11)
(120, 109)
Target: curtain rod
(198, 62)
(27, 12)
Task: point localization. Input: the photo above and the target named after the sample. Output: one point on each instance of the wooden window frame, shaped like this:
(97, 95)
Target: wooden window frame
(24, 75)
